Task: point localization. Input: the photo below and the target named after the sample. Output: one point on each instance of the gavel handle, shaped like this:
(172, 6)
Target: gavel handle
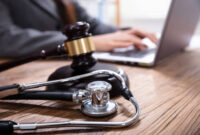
(42, 55)
(14, 63)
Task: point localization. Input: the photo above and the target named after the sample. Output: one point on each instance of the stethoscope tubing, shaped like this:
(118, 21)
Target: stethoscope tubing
(83, 123)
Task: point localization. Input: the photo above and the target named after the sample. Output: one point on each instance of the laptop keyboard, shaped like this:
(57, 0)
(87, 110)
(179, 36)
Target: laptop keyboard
(134, 53)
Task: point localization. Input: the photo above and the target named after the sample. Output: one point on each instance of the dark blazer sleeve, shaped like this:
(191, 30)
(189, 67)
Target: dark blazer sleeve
(18, 42)
(96, 26)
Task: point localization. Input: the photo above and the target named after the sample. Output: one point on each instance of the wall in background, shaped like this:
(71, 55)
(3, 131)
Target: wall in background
(103, 10)
(144, 14)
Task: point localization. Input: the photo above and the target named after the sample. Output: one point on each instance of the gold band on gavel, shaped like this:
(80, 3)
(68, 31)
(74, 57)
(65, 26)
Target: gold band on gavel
(79, 46)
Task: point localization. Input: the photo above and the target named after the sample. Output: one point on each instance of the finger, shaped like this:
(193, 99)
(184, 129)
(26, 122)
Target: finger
(125, 37)
(129, 38)
(153, 38)
(141, 34)
(140, 47)
(144, 34)
(139, 44)
(136, 32)
(121, 44)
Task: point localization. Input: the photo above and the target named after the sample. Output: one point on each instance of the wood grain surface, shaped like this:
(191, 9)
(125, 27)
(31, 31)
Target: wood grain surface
(168, 94)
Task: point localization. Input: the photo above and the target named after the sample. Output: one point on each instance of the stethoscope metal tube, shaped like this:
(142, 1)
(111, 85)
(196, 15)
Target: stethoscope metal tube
(41, 84)
(83, 123)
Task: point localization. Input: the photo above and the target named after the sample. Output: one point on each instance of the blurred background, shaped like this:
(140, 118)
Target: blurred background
(145, 14)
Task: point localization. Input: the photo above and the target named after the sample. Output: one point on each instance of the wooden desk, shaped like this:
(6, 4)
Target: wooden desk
(169, 97)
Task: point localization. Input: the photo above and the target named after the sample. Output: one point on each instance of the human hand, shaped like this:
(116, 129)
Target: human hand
(120, 39)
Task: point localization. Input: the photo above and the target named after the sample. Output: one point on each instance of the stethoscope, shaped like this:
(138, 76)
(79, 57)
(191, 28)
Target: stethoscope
(95, 100)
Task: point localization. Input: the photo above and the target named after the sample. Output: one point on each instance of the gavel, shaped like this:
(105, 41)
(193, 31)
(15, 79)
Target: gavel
(79, 47)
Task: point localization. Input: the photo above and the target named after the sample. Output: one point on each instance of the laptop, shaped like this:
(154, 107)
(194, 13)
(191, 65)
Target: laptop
(182, 19)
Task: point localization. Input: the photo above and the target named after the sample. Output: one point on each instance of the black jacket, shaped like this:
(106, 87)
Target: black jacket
(27, 26)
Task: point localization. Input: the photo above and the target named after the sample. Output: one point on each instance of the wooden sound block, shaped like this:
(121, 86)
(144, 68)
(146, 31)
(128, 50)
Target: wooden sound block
(67, 71)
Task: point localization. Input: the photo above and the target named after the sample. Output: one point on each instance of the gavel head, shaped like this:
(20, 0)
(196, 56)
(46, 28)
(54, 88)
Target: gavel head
(79, 46)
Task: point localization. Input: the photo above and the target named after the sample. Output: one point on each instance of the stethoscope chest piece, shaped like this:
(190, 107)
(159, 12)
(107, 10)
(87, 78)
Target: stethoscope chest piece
(99, 103)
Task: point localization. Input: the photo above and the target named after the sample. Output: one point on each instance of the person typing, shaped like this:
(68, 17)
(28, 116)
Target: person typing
(27, 26)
